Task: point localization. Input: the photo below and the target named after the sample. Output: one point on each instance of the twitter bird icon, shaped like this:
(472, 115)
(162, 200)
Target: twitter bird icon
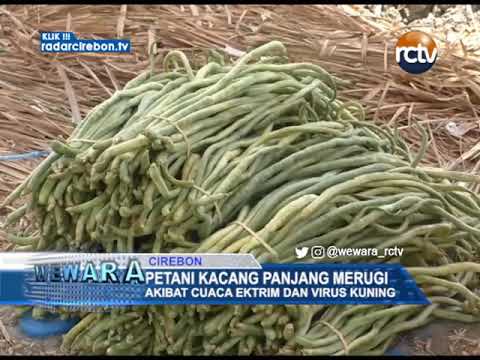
(302, 252)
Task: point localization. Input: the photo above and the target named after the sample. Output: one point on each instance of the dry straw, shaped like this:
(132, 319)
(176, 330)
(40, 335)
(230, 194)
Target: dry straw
(42, 95)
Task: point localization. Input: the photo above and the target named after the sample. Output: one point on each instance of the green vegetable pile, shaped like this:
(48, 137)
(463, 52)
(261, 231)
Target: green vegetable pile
(257, 157)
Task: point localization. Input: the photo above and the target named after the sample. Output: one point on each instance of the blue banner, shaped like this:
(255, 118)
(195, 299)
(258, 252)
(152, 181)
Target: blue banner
(146, 279)
(67, 42)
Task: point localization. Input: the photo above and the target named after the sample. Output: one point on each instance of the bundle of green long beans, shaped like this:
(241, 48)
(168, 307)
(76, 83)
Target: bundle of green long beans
(256, 157)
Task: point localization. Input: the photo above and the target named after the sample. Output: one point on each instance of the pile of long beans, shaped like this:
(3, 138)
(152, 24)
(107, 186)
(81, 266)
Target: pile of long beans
(256, 157)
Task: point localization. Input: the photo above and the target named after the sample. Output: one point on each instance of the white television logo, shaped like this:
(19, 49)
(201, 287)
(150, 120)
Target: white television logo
(421, 54)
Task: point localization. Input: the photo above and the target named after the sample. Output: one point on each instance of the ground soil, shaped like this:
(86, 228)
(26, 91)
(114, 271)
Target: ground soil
(13, 342)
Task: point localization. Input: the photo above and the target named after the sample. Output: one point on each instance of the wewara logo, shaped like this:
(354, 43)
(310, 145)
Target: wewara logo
(416, 52)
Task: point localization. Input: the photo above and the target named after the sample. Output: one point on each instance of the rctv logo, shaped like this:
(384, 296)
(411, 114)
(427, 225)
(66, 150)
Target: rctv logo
(416, 52)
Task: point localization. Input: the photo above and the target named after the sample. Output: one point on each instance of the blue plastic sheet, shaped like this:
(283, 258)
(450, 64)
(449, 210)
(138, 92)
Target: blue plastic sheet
(24, 156)
(50, 326)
